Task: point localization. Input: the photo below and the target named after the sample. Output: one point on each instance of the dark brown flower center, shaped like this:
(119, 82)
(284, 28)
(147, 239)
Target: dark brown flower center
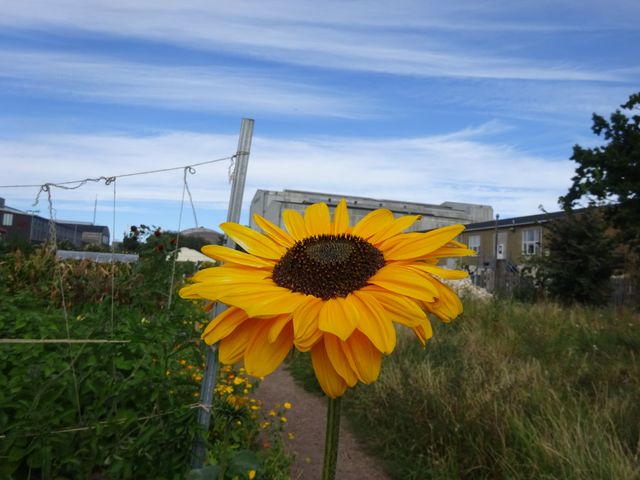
(328, 266)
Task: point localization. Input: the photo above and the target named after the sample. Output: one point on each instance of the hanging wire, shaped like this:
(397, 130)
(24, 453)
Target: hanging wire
(76, 387)
(85, 428)
(108, 180)
(232, 169)
(113, 263)
(192, 171)
(185, 188)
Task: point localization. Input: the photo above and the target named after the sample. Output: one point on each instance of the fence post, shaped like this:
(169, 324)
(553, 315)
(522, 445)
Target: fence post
(211, 367)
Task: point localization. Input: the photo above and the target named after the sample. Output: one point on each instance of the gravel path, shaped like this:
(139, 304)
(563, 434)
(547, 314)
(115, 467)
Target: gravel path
(306, 420)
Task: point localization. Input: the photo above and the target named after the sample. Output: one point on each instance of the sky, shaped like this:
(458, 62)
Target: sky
(426, 101)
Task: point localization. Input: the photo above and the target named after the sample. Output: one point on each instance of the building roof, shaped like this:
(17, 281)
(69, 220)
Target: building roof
(207, 234)
(518, 221)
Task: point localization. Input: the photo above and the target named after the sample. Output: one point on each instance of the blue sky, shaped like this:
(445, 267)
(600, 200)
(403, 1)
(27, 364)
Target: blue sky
(427, 101)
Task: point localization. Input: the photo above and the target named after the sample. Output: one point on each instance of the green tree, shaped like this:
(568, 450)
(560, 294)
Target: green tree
(610, 174)
(579, 258)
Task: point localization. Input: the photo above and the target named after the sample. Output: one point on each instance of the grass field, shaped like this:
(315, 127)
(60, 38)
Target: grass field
(507, 391)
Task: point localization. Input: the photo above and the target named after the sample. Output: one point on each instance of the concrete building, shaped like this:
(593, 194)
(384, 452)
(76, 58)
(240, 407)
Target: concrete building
(18, 225)
(207, 235)
(271, 204)
(511, 239)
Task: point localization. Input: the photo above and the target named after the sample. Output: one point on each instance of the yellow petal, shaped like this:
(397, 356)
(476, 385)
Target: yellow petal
(455, 243)
(295, 224)
(271, 300)
(423, 332)
(317, 220)
(375, 324)
(279, 323)
(394, 228)
(190, 291)
(408, 247)
(447, 306)
(230, 274)
(339, 360)
(363, 357)
(445, 273)
(337, 316)
(252, 241)
(215, 291)
(232, 347)
(340, 218)
(450, 250)
(330, 381)
(372, 223)
(222, 326)
(400, 309)
(405, 281)
(261, 356)
(274, 232)
(305, 321)
(305, 344)
(224, 254)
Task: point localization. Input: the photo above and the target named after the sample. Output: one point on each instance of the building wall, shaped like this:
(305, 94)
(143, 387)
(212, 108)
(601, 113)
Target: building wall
(511, 239)
(271, 204)
(23, 226)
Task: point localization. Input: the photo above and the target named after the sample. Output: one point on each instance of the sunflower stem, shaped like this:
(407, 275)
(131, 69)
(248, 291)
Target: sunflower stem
(331, 439)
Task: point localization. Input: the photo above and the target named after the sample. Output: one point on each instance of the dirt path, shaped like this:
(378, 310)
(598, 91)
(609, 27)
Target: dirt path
(306, 420)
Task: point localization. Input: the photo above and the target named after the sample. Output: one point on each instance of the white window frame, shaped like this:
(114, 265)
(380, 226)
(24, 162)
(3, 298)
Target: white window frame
(7, 219)
(474, 243)
(531, 241)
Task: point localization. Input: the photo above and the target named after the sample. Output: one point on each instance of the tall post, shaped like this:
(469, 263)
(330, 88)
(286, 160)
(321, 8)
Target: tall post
(495, 254)
(211, 366)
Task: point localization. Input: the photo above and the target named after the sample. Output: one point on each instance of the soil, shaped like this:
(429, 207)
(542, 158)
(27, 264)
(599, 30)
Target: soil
(306, 420)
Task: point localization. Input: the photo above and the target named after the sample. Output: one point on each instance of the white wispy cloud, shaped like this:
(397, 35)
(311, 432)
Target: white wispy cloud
(459, 167)
(356, 36)
(193, 88)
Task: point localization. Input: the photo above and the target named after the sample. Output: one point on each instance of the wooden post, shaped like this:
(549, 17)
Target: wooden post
(211, 366)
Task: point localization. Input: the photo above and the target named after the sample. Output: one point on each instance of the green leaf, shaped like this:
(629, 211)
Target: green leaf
(243, 461)
(210, 472)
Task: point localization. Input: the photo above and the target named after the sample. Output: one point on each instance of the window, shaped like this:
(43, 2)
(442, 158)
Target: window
(474, 243)
(531, 241)
(7, 219)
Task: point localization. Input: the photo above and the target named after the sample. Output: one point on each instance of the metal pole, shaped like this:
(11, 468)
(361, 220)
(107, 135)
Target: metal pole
(495, 254)
(211, 366)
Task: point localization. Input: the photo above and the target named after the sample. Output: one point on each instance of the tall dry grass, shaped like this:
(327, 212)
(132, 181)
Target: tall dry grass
(509, 391)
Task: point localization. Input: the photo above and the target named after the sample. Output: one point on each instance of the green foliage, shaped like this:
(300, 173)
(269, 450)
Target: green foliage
(129, 402)
(508, 391)
(110, 410)
(612, 172)
(579, 260)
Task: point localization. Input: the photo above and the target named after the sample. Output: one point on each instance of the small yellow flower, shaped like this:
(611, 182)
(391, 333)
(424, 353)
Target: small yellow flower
(264, 424)
(290, 436)
(287, 405)
(252, 474)
(283, 419)
(272, 413)
(237, 381)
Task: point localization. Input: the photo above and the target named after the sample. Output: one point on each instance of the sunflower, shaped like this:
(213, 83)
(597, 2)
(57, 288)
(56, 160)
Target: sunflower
(328, 288)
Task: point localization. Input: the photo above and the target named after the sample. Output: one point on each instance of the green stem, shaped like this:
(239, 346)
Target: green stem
(331, 439)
